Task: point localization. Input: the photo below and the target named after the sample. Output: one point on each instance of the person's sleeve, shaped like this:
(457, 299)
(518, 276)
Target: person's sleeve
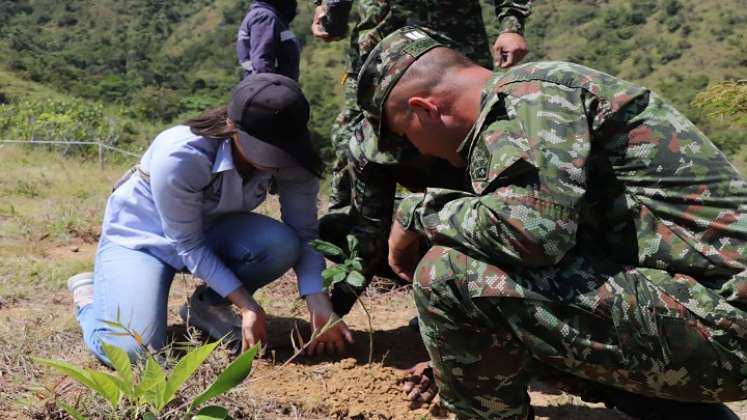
(178, 177)
(298, 190)
(264, 36)
(528, 208)
(511, 15)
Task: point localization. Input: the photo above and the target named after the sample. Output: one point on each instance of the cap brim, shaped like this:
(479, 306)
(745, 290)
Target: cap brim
(263, 153)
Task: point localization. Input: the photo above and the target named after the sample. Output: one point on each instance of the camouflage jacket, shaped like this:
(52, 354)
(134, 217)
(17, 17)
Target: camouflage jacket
(564, 157)
(459, 19)
(375, 189)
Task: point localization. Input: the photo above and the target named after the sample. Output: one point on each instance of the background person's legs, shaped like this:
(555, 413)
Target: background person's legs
(341, 132)
(602, 322)
(133, 285)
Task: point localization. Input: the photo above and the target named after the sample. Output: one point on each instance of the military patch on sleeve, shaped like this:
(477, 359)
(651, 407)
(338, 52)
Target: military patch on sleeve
(479, 163)
(415, 35)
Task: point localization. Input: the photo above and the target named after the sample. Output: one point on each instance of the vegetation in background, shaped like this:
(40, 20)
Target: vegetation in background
(150, 64)
(65, 120)
(726, 104)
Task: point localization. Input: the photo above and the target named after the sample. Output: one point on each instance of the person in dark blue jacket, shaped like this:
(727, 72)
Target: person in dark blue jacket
(265, 42)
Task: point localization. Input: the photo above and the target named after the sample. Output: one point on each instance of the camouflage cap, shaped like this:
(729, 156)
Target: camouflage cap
(386, 64)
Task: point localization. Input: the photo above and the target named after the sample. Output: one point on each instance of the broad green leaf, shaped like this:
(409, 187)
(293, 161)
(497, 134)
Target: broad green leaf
(121, 362)
(149, 416)
(152, 383)
(340, 276)
(355, 279)
(108, 386)
(212, 412)
(71, 411)
(73, 372)
(185, 368)
(327, 248)
(356, 264)
(155, 397)
(330, 274)
(352, 245)
(234, 374)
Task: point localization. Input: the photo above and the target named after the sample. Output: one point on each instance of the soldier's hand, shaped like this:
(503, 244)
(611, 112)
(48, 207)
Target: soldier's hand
(510, 48)
(419, 385)
(404, 251)
(317, 29)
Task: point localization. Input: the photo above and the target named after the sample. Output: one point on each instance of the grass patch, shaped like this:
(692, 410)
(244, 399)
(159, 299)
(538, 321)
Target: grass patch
(51, 197)
(23, 278)
(53, 205)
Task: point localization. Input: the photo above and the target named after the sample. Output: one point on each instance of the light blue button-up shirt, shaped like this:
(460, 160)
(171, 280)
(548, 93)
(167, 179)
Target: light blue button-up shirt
(193, 182)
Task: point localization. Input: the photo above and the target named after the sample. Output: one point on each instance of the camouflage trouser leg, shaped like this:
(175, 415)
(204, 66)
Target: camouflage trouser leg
(342, 130)
(488, 329)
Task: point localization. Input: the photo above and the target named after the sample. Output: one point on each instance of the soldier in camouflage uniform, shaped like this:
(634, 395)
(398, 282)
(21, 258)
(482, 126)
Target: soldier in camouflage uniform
(372, 176)
(604, 237)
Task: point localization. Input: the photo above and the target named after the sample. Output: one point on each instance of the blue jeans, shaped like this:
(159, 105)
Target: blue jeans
(135, 284)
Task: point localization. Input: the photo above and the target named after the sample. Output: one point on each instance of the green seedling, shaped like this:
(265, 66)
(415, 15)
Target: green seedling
(147, 396)
(346, 274)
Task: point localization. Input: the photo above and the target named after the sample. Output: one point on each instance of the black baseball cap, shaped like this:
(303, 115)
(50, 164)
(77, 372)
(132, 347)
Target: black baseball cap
(272, 115)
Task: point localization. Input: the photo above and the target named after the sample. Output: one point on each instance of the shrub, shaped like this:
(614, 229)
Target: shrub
(157, 103)
(58, 120)
(726, 101)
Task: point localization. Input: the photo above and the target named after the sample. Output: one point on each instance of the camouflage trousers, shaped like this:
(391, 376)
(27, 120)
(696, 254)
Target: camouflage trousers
(490, 329)
(342, 131)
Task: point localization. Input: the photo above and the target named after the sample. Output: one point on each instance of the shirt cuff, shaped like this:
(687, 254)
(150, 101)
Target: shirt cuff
(407, 211)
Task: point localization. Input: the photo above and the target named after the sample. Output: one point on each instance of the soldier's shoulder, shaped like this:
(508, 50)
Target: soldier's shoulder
(570, 75)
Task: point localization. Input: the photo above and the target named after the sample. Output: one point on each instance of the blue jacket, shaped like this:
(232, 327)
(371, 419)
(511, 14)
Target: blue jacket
(266, 44)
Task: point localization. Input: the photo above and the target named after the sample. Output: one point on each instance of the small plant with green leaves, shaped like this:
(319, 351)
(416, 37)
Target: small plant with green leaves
(147, 396)
(347, 273)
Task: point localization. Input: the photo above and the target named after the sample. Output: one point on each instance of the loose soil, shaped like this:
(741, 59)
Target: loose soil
(306, 388)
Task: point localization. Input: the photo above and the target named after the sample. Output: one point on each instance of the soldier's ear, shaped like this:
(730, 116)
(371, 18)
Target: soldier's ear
(423, 107)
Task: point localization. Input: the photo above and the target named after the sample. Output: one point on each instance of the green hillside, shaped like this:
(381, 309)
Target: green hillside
(152, 63)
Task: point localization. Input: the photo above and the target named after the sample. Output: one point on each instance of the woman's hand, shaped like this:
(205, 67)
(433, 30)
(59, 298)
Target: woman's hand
(337, 335)
(253, 319)
(253, 327)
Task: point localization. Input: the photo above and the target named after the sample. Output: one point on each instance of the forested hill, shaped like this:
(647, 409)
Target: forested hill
(144, 64)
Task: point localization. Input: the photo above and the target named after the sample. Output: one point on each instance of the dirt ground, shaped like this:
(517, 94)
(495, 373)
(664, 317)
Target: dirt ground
(306, 388)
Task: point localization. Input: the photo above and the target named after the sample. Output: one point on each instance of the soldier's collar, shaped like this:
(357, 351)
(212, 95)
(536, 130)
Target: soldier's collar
(488, 98)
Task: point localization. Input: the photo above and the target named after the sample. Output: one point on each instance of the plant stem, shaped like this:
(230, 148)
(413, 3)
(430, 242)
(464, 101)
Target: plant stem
(314, 335)
(370, 331)
(370, 321)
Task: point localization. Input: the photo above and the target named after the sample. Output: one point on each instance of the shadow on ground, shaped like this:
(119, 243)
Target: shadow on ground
(398, 348)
